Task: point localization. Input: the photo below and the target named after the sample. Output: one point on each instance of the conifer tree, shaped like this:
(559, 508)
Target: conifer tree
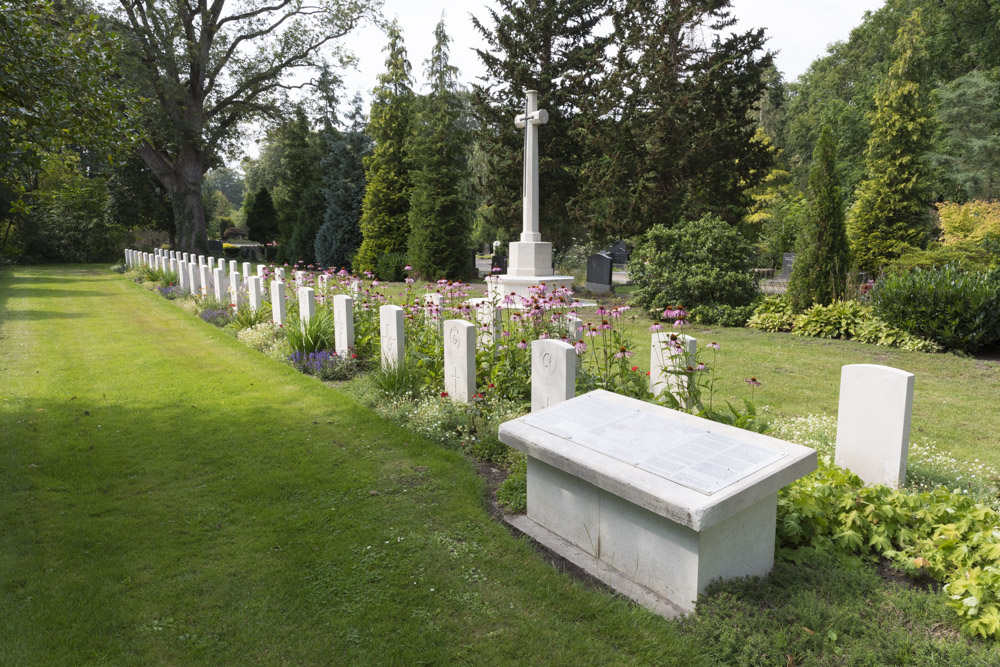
(340, 236)
(298, 197)
(385, 225)
(261, 218)
(440, 215)
(891, 214)
(819, 274)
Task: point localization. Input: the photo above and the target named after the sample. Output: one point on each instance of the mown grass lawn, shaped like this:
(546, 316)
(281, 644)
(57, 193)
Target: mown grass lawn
(168, 496)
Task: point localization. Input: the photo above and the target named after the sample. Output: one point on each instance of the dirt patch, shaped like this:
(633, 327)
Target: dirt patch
(493, 477)
(891, 574)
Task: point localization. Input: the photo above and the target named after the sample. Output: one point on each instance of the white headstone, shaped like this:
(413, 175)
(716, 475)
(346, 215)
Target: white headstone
(460, 360)
(574, 328)
(355, 286)
(247, 270)
(391, 336)
(307, 304)
(173, 265)
(279, 274)
(173, 255)
(219, 283)
(278, 302)
(235, 290)
(222, 264)
(192, 273)
(187, 257)
(261, 268)
(253, 293)
(201, 260)
(205, 280)
(343, 324)
(668, 355)
(873, 422)
(182, 274)
(234, 267)
(553, 373)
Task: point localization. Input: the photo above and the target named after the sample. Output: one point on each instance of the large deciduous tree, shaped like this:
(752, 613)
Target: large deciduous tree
(210, 67)
(892, 211)
(385, 209)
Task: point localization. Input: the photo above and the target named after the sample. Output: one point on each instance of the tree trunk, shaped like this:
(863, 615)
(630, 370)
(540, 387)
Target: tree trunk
(182, 179)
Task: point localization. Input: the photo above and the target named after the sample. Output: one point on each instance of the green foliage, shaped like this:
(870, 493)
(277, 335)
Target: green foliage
(397, 381)
(261, 218)
(390, 266)
(662, 143)
(697, 263)
(966, 255)
(313, 336)
(955, 308)
(385, 208)
(969, 151)
(440, 211)
(878, 332)
(344, 184)
(512, 494)
(721, 314)
(945, 536)
(245, 317)
(972, 221)
(774, 313)
(298, 198)
(819, 274)
(263, 337)
(840, 319)
(890, 215)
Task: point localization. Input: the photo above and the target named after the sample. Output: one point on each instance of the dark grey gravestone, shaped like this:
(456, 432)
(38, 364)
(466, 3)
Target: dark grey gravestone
(599, 269)
(214, 248)
(619, 252)
(787, 259)
(499, 264)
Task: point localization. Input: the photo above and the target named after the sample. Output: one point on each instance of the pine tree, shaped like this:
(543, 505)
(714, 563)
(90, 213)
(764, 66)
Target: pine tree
(549, 46)
(819, 274)
(385, 225)
(340, 236)
(891, 214)
(440, 215)
(261, 218)
(298, 197)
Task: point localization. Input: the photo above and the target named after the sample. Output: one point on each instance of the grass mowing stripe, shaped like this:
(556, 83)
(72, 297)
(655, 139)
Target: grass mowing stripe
(215, 506)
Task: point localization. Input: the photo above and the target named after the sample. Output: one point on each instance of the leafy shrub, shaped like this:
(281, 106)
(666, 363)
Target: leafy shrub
(957, 309)
(312, 336)
(969, 255)
(234, 233)
(722, 314)
(512, 493)
(946, 536)
(841, 319)
(695, 263)
(972, 221)
(262, 337)
(774, 313)
(397, 381)
(245, 317)
(218, 316)
(389, 266)
(877, 332)
(171, 292)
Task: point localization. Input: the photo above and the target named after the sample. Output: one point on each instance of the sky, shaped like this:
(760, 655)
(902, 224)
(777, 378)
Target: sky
(798, 30)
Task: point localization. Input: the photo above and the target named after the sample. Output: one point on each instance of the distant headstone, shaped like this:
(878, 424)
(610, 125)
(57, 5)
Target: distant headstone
(204, 280)
(668, 356)
(300, 278)
(278, 302)
(247, 270)
(201, 260)
(279, 273)
(182, 274)
(460, 360)
(574, 328)
(222, 264)
(619, 252)
(873, 422)
(215, 247)
(498, 264)
(553, 373)
(787, 260)
(488, 317)
(343, 324)
(391, 336)
(236, 290)
(261, 269)
(307, 304)
(599, 268)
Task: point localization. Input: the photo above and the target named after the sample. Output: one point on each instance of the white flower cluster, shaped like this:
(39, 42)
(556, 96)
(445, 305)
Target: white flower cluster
(262, 337)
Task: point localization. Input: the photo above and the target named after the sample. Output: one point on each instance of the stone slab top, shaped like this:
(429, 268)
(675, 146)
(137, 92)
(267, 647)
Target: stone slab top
(690, 470)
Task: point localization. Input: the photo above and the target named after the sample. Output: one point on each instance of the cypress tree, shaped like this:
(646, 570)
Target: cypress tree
(440, 215)
(385, 225)
(339, 237)
(891, 214)
(819, 274)
(299, 199)
(261, 218)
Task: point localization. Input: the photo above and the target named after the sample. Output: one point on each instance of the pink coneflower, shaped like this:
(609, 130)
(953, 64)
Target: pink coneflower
(523, 345)
(656, 327)
(591, 332)
(407, 268)
(623, 353)
(580, 346)
(543, 335)
(605, 325)
(713, 345)
(700, 367)
(752, 382)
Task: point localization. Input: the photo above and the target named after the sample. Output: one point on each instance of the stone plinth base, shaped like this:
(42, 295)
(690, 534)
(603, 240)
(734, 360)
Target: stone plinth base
(598, 288)
(521, 285)
(643, 552)
(530, 259)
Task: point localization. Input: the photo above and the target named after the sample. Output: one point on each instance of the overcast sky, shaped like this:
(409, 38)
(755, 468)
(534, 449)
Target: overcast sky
(798, 31)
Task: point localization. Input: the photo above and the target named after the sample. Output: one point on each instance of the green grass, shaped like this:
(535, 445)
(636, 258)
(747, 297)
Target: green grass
(173, 497)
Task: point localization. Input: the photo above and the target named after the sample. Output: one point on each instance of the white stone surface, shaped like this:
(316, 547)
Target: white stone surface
(182, 274)
(391, 336)
(619, 479)
(343, 324)
(300, 278)
(489, 318)
(278, 302)
(460, 360)
(247, 270)
(574, 328)
(873, 422)
(307, 304)
(201, 260)
(219, 284)
(664, 357)
(253, 293)
(261, 268)
(236, 291)
(553, 373)
(192, 275)
(234, 267)
(204, 280)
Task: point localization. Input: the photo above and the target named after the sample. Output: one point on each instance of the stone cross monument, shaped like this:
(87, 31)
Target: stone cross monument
(530, 258)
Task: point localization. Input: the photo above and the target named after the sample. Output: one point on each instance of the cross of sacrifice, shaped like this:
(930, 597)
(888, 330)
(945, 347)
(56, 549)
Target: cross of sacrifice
(530, 120)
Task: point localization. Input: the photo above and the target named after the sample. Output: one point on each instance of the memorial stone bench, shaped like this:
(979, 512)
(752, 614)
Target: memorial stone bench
(655, 502)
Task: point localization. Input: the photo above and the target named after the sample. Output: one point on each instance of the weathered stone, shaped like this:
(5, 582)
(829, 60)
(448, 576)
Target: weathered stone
(460, 360)
(553, 373)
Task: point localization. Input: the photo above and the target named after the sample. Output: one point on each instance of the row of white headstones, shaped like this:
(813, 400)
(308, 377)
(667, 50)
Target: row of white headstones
(876, 402)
